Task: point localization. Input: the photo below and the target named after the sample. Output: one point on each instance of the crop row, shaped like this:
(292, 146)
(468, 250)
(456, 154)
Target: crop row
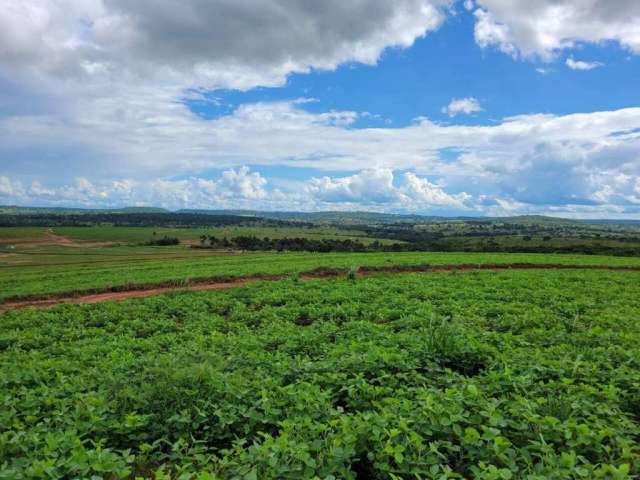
(47, 280)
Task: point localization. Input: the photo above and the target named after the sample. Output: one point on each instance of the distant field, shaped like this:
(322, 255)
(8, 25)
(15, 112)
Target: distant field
(144, 234)
(55, 255)
(139, 235)
(10, 235)
(129, 269)
(539, 241)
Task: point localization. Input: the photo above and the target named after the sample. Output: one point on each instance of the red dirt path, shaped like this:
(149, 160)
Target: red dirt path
(149, 290)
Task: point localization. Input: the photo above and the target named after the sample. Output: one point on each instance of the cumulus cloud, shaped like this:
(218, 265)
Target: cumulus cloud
(526, 158)
(234, 189)
(467, 105)
(218, 43)
(369, 186)
(375, 187)
(109, 77)
(419, 193)
(581, 65)
(545, 27)
(242, 183)
(241, 188)
(488, 32)
(10, 189)
(371, 189)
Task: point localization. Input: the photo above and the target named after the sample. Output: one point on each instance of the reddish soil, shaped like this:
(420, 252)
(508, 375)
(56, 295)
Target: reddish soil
(57, 239)
(123, 295)
(148, 290)
(54, 239)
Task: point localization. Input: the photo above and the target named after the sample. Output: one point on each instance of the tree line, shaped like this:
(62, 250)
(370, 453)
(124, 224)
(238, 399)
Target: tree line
(297, 244)
(302, 244)
(137, 220)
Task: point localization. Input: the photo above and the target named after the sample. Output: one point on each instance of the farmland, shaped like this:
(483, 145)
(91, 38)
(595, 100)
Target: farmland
(368, 364)
(131, 269)
(319, 240)
(138, 235)
(444, 375)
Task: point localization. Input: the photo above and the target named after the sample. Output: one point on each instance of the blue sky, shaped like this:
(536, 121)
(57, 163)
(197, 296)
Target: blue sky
(418, 81)
(491, 107)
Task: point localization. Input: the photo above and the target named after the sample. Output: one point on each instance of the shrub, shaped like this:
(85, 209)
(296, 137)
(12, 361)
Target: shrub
(164, 241)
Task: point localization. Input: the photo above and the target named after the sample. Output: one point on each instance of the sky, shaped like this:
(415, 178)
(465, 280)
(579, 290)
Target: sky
(438, 107)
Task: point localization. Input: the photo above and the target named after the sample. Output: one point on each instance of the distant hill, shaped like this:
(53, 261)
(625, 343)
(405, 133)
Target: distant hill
(327, 217)
(14, 210)
(324, 217)
(355, 218)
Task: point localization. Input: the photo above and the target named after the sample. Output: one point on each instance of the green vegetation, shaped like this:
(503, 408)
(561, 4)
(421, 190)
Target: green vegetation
(164, 241)
(526, 234)
(518, 234)
(133, 235)
(14, 210)
(140, 235)
(128, 218)
(512, 375)
(10, 235)
(44, 256)
(122, 271)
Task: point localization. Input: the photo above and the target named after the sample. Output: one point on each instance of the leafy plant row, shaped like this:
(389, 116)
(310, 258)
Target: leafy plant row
(522, 374)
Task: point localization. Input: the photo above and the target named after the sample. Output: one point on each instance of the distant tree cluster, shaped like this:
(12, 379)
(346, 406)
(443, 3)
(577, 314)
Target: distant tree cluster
(298, 244)
(164, 241)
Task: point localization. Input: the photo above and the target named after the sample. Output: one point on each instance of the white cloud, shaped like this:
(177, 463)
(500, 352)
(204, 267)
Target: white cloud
(234, 188)
(107, 76)
(466, 105)
(244, 184)
(533, 159)
(375, 187)
(367, 186)
(241, 188)
(372, 189)
(488, 32)
(420, 194)
(10, 189)
(216, 43)
(581, 65)
(545, 27)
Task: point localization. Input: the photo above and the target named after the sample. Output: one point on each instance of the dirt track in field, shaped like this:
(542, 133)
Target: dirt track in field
(55, 239)
(148, 290)
(123, 295)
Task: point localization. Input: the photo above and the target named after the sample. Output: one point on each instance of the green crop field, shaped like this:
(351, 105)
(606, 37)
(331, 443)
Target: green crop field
(46, 256)
(55, 276)
(486, 375)
(144, 234)
(140, 235)
(454, 374)
(10, 235)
